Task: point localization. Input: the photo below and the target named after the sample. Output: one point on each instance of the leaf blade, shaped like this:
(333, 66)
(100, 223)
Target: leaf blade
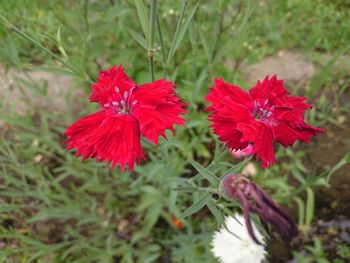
(139, 39)
(205, 172)
(142, 14)
(195, 207)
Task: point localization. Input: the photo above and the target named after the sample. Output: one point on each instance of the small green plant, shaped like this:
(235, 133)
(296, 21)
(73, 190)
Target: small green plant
(313, 253)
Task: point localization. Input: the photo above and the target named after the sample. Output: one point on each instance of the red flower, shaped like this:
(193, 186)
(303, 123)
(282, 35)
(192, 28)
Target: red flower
(264, 114)
(127, 112)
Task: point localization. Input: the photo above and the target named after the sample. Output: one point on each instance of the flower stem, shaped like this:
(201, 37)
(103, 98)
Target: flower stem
(151, 47)
(162, 47)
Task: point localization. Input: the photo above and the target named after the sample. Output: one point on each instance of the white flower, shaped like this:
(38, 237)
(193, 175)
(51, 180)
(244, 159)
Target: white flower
(235, 245)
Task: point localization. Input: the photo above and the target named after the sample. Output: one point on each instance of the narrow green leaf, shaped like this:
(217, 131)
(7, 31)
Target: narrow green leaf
(198, 205)
(301, 210)
(63, 52)
(58, 35)
(152, 216)
(205, 172)
(181, 29)
(178, 25)
(59, 43)
(310, 202)
(142, 14)
(162, 46)
(216, 212)
(345, 160)
(297, 175)
(237, 168)
(139, 39)
(205, 45)
(185, 189)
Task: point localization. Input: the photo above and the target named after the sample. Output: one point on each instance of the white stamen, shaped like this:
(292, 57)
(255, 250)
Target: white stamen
(269, 114)
(266, 101)
(117, 89)
(134, 102)
(122, 103)
(106, 105)
(114, 103)
(125, 94)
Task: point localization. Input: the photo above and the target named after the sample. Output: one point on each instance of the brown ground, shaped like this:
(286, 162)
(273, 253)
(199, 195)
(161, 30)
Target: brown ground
(22, 98)
(289, 65)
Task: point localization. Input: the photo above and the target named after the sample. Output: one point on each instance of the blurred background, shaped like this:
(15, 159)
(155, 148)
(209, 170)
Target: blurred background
(55, 208)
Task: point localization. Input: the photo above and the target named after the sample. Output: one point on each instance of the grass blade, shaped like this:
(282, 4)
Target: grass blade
(198, 205)
(205, 172)
(181, 29)
(310, 202)
(139, 39)
(142, 14)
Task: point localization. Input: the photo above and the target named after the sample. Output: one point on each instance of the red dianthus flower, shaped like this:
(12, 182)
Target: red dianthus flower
(264, 114)
(127, 112)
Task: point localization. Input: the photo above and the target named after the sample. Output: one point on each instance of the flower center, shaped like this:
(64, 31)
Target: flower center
(262, 112)
(124, 105)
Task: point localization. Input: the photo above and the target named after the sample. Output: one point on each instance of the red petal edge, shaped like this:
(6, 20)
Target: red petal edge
(103, 136)
(104, 90)
(157, 109)
(262, 138)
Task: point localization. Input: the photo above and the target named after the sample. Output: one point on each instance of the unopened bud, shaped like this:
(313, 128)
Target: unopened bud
(228, 185)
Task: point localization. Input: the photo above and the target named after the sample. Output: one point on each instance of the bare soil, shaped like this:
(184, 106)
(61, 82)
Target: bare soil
(45, 91)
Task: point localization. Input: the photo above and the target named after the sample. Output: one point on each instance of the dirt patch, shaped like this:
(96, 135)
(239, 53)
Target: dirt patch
(330, 148)
(289, 65)
(22, 91)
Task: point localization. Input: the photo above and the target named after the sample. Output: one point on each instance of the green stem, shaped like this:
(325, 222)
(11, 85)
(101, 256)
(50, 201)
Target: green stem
(151, 64)
(151, 47)
(162, 47)
(86, 35)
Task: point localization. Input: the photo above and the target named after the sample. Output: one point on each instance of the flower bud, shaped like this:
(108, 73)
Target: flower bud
(229, 184)
(255, 200)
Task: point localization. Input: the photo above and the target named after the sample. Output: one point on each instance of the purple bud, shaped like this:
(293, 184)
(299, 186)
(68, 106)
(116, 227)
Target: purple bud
(229, 185)
(255, 200)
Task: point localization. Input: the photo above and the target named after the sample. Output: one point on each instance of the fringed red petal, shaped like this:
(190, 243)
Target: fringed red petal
(104, 91)
(128, 111)
(158, 109)
(264, 114)
(106, 137)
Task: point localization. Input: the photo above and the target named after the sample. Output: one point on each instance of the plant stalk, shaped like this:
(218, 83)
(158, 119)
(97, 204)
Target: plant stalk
(162, 47)
(151, 47)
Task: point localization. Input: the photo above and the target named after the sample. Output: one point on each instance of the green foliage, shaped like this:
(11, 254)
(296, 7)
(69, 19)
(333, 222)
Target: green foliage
(55, 208)
(314, 253)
